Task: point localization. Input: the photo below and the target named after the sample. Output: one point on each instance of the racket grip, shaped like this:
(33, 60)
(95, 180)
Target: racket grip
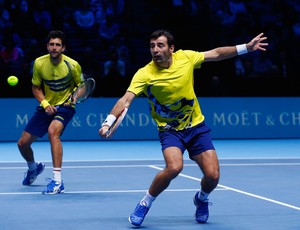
(107, 133)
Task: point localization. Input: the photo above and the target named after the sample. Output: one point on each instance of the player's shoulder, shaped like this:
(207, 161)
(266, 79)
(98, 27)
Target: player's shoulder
(43, 58)
(184, 53)
(148, 69)
(192, 55)
(42, 61)
(69, 59)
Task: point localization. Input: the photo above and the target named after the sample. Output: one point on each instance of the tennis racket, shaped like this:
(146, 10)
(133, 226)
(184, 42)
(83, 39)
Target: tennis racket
(81, 92)
(116, 124)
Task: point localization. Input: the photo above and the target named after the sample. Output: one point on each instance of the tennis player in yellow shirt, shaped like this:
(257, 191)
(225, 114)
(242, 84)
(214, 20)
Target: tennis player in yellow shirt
(168, 82)
(55, 75)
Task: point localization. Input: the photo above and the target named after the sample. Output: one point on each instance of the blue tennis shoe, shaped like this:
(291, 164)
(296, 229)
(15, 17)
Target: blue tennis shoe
(54, 187)
(138, 215)
(202, 212)
(31, 176)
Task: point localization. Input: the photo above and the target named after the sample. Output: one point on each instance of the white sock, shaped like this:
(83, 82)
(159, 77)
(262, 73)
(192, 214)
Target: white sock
(57, 174)
(32, 166)
(147, 200)
(203, 195)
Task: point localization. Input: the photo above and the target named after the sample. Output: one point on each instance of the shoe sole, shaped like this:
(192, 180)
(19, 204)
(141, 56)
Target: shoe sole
(53, 193)
(137, 225)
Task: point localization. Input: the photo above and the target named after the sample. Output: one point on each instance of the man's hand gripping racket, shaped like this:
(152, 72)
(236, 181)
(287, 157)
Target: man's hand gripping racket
(116, 124)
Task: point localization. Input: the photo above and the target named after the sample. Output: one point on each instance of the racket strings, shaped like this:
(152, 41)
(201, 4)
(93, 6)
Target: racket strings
(83, 91)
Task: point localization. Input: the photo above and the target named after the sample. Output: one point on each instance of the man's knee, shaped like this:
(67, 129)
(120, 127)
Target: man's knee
(174, 169)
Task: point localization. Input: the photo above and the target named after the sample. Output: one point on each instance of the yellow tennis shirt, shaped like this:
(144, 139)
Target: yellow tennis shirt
(59, 80)
(172, 99)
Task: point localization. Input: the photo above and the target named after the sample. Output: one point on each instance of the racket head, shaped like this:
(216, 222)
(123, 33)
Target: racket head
(83, 91)
(116, 124)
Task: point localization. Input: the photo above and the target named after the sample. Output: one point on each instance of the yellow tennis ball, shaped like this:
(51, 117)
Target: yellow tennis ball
(12, 80)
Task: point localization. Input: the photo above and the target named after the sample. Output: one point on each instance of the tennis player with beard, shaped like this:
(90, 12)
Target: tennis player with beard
(168, 82)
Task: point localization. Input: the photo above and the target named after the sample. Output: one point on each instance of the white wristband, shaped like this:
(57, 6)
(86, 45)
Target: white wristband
(241, 49)
(110, 119)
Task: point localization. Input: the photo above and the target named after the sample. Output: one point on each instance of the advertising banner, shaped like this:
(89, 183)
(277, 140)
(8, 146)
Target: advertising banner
(229, 118)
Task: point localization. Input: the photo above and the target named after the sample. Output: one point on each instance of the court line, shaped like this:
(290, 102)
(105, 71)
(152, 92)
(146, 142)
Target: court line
(182, 175)
(103, 191)
(237, 190)
(155, 159)
(260, 164)
(80, 167)
(147, 165)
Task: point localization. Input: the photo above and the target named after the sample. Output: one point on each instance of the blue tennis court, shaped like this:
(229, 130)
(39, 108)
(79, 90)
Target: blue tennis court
(258, 189)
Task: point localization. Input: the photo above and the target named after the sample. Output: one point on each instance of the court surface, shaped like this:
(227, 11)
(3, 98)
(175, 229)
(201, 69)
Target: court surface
(259, 187)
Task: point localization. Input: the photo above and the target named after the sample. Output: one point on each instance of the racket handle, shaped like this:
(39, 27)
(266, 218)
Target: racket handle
(107, 133)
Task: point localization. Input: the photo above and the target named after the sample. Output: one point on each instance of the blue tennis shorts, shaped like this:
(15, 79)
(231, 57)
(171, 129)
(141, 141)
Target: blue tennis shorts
(195, 140)
(40, 121)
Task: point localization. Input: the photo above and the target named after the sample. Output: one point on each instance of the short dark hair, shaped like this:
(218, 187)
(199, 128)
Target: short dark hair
(57, 34)
(156, 34)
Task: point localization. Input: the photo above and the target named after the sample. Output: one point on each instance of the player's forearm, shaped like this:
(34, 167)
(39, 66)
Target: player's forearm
(114, 113)
(38, 93)
(123, 102)
(221, 53)
(119, 106)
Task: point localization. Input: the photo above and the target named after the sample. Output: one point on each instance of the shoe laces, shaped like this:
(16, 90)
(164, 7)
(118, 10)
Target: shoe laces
(202, 205)
(52, 181)
(141, 209)
(207, 201)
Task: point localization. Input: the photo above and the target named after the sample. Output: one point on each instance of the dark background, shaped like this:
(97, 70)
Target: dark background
(196, 25)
